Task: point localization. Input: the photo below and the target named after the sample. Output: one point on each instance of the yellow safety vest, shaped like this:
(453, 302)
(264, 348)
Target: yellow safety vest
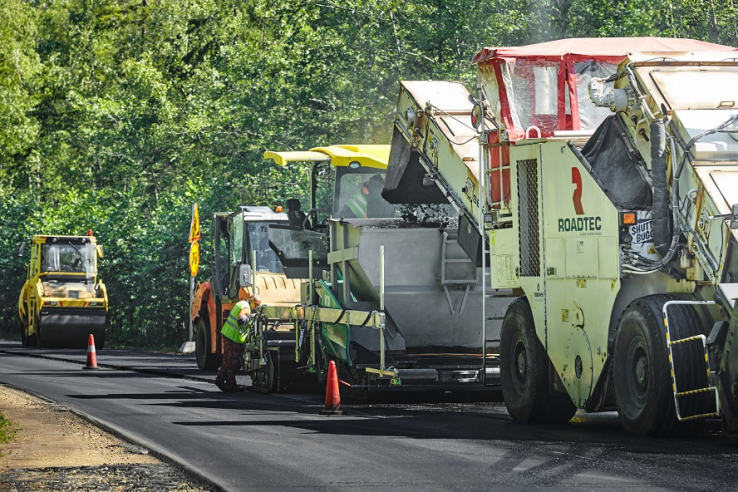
(231, 330)
(358, 206)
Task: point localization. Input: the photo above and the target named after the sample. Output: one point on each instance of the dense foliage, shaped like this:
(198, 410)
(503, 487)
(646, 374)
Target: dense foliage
(117, 115)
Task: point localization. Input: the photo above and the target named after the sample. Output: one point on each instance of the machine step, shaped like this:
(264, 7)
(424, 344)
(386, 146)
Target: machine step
(697, 338)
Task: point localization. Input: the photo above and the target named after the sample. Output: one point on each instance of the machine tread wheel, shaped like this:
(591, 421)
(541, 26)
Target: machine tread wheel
(206, 361)
(641, 372)
(523, 371)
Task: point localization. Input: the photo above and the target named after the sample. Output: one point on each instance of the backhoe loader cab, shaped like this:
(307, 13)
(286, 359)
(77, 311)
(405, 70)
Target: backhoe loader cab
(62, 302)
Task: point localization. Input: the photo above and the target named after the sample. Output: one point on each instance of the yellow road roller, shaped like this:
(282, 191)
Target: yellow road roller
(62, 301)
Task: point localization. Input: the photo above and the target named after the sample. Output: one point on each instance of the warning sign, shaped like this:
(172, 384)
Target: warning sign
(195, 225)
(194, 258)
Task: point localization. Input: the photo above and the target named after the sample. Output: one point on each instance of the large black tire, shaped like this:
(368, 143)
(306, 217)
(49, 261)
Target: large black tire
(523, 371)
(641, 372)
(206, 360)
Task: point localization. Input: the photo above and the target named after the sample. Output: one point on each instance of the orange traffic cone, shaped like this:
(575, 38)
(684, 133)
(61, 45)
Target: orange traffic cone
(332, 395)
(91, 354)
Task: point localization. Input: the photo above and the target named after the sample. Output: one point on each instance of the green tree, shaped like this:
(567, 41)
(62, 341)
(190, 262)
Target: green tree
(116, 115)
(19, 68)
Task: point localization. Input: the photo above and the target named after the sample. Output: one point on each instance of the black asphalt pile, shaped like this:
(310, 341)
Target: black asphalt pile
(413, 216)
(442, 215)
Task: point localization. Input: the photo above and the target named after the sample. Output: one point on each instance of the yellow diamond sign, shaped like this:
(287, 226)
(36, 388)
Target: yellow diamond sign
(195, 225)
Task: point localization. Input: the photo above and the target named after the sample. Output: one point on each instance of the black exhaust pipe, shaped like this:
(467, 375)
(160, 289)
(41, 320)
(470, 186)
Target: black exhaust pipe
(660, 207)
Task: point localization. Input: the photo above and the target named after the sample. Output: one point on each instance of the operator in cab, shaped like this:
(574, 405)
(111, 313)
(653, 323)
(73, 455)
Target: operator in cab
(367, 201)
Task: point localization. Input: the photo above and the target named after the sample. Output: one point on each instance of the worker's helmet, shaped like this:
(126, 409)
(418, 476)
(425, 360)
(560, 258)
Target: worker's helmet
(254, 301)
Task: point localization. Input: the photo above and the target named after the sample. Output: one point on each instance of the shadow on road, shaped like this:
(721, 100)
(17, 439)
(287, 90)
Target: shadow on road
(484, 421)
(421, 416)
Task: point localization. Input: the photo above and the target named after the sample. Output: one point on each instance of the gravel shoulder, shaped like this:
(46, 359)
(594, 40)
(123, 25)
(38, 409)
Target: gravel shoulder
(55, 449)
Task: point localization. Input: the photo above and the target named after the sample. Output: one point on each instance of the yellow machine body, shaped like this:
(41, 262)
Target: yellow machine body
(62, 301)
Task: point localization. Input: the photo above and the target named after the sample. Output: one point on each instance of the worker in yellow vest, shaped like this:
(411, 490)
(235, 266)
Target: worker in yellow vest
(235, 331)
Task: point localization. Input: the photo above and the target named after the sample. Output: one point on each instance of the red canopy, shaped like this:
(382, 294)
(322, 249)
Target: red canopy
(543, 87)
(597, 48)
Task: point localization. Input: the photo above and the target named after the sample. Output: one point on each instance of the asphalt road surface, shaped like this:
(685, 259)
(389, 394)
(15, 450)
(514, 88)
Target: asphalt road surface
(251, 441)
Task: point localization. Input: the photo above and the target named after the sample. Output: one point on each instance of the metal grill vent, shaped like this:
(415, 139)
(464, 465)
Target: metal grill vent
(530, 259)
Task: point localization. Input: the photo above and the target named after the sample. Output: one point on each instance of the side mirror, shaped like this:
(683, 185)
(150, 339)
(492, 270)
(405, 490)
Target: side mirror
(244, 276)
(734, 219)
(100, 251)
(21, 248)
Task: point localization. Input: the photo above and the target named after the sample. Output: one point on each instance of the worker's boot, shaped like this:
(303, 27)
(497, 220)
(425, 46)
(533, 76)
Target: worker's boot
(234, 388)
(221, 384)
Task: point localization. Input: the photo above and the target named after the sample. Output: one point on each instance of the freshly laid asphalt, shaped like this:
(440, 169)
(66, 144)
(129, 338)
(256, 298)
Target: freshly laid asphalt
(252, 441)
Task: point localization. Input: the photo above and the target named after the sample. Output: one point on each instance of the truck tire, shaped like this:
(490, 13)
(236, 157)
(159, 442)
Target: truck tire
(206, 360)
(523, 371)
(641, 369)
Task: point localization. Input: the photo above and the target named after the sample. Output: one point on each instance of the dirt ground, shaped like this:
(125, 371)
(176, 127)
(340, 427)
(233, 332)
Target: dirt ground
(54, 449)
